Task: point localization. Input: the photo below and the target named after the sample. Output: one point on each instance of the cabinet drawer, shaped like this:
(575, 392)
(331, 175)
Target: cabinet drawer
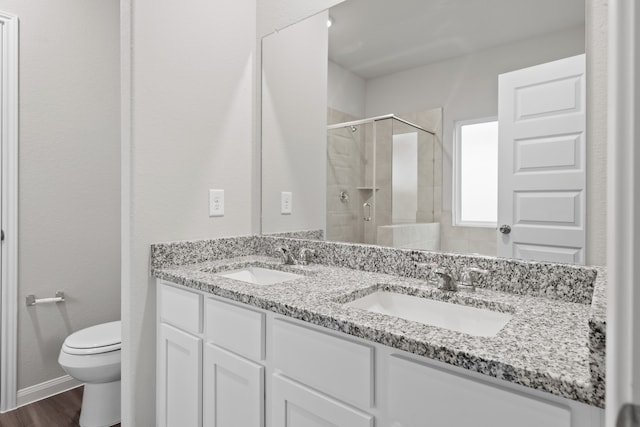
(418, 392)
(339, 367)
(181, 308)
(297, 406)
(235, 328)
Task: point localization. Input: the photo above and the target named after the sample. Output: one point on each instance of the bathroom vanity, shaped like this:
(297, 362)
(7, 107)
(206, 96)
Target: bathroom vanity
(299, 352)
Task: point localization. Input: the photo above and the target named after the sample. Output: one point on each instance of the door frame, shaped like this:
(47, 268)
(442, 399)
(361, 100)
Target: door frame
(9, 211)
(623, 252)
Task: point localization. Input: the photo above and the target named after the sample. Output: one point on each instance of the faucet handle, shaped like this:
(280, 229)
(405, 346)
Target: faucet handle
(282, 250)
(431, 266)
(447, 282)
(305, 255)
(285, 254)
(426, 270)
(473, 274)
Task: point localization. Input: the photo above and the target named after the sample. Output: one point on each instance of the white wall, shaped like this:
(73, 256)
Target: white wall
(188, 101)
(294, 128)
(467, 88)
(69, 165)
(346, 91)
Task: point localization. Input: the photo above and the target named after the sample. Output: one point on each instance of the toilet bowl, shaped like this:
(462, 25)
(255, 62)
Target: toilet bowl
(92, 356)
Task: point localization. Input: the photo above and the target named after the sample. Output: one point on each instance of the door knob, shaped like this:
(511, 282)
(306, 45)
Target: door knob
(505, 229)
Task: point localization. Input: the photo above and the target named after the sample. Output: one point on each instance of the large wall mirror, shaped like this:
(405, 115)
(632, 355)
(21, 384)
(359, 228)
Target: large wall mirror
(383, 123)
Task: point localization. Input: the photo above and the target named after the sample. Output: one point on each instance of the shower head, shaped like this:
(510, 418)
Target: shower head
(353, 128)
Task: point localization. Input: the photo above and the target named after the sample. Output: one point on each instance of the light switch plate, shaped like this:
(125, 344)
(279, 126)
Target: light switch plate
(286, 202)
(216, 202)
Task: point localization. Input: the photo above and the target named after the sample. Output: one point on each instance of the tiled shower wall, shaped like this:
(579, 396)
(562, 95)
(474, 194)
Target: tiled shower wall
(344, 170)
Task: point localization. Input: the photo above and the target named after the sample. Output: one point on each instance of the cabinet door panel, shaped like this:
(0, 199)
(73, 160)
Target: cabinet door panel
(294, 405)
(179, 378)
(419, 395)
(336, 366)
(233, 390)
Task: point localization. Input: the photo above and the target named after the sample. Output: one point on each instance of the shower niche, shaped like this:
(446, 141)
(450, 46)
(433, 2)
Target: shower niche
(380, 182)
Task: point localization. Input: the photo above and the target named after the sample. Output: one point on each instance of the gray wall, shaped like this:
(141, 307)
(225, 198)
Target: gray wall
(596, 43)
(69, 202)
(294, 128)
(188, 103)
(346, 91)
(277, 14)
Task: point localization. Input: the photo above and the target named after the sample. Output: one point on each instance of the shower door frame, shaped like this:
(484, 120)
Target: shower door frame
(373, 121)
(9, 210)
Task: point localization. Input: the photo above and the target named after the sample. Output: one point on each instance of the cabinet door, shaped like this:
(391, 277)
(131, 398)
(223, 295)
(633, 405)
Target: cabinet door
(233, 390)
(294, 405)
(179, 378)
(422, 396)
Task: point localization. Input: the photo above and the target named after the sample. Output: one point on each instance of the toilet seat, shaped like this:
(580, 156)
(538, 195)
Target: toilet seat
(92, 356)
(97, 339)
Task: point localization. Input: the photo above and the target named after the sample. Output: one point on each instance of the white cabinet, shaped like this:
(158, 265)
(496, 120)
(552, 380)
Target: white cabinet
(223, 364)
(179, 378)
(417, 393)
(233, 390)
(294, 405)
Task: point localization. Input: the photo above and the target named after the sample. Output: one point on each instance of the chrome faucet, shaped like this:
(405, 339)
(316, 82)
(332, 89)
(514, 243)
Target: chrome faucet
(285, 254)
(449, 281)
(304, 257)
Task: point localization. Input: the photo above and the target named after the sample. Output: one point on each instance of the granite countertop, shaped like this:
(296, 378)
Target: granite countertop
(545, 346)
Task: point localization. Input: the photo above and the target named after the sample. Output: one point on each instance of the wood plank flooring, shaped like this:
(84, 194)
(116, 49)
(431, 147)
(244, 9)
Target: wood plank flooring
(61, 410)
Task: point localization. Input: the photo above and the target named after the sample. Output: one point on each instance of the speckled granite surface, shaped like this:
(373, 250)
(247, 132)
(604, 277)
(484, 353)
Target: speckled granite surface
(303, 234)
(550, 344)
(597, 333)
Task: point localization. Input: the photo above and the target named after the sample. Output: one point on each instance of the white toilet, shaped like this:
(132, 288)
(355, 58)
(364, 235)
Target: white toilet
(92, 356)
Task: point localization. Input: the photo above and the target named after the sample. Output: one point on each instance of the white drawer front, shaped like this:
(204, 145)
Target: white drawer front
(235, 328)
(181, 308)
(336, 366)
(418, 392)
(298, 406)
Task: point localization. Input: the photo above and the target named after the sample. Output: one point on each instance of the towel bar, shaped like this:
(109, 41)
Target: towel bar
(32, 300)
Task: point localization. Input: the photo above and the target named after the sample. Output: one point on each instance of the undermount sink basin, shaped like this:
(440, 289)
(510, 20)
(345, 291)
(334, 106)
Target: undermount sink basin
(460, 318)
(259, 275)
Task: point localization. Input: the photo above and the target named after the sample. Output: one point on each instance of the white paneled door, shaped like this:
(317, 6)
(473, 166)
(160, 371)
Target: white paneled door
(541, 172)
(9, 40)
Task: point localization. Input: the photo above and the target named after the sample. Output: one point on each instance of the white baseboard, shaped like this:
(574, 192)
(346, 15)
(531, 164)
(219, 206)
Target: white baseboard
(46, 389)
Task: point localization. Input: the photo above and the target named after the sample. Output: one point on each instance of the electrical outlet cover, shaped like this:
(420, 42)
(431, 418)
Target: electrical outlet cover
(286, 203)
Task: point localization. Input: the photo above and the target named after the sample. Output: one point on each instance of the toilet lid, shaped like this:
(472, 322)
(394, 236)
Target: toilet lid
(99, 338)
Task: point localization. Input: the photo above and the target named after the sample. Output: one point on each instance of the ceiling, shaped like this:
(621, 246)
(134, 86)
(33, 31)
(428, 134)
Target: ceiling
(378, 37)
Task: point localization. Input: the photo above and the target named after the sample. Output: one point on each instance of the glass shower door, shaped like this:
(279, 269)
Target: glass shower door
(404, 201)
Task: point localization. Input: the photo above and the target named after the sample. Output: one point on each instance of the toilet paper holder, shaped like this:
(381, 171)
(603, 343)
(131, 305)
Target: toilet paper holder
(32, 300)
